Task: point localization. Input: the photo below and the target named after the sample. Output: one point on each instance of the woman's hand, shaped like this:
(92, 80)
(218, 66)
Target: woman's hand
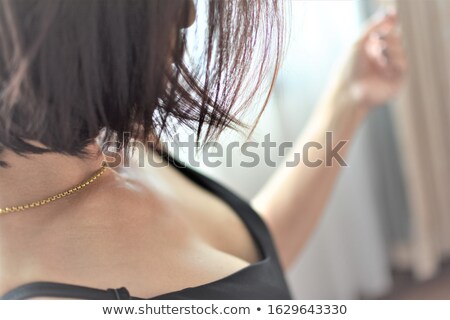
(374, 72)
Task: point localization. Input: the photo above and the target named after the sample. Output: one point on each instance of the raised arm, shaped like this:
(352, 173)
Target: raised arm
(295, 197)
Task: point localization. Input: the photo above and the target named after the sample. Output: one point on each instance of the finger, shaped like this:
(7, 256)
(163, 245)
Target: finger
(392, 35)
(396, 51)
(392, 70)
(379, 28)
(399, 63)
(381, 25)
(389, 63)
(384, 34)
(395, 65)
(386, 46)
(395, 47)
(392, 58)
(377, 50)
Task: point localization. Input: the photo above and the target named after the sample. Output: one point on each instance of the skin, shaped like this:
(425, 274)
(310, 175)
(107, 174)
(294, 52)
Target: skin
(127, 230)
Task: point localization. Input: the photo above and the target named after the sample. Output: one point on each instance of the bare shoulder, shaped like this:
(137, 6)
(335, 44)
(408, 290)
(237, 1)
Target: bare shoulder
(127, 231)
(151, 231)
(129, 206)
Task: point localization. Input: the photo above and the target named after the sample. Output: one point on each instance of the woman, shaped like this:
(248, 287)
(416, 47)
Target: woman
(78, 74)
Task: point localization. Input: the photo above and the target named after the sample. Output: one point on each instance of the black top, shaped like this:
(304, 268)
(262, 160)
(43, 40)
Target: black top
(262, 280)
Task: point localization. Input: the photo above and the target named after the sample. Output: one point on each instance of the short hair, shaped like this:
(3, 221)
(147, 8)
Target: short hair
(72, 69)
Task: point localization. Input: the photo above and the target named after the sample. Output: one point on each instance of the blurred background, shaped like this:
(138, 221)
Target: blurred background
(386, 230)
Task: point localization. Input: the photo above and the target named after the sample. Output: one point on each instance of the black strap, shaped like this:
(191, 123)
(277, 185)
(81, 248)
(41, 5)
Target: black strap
(60, 290)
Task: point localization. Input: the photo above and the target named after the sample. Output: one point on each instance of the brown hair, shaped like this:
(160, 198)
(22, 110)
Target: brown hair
(72, 69)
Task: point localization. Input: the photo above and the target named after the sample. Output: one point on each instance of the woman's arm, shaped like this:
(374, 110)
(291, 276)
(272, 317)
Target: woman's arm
(294, 198)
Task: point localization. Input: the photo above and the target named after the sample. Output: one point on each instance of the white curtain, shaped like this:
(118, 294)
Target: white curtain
(423, 120)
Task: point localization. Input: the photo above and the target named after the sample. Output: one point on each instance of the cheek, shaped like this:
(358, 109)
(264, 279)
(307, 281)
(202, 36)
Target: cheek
(191, 13)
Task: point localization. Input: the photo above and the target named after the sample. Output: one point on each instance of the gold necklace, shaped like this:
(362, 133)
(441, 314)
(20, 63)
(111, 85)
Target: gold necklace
(56, 197)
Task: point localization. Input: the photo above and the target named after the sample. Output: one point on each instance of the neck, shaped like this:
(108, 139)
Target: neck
(36, 177)
(29, 179)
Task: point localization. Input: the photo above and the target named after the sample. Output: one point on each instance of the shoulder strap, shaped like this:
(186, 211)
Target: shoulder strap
(60, 290)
